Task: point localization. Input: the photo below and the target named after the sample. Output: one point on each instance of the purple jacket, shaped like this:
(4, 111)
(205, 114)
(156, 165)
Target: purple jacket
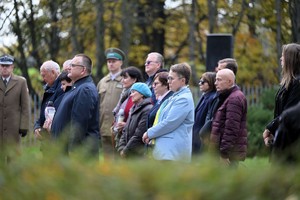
(229, 133)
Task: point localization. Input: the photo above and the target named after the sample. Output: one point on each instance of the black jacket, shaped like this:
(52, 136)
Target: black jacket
(284, 99)
(286, 142)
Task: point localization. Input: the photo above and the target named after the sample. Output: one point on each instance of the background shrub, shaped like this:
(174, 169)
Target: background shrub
(258, 117)
(58, 177)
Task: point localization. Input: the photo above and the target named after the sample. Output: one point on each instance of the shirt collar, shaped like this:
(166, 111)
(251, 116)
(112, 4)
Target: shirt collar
(114, 76)
(8, 78)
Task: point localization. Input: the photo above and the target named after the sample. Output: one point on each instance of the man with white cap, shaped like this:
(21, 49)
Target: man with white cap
(109, 89)
(14, 108)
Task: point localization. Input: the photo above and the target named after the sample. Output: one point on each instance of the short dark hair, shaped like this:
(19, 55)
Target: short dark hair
(64, 77)
(133, 72)
(230, 64)
(163, 78)
(86, 61)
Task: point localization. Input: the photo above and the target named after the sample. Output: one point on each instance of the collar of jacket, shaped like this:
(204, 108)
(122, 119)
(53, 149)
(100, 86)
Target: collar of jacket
(144, 103)
(118, 78)
(182, 89)
(224, 94)
(87, 78)
(52, 88)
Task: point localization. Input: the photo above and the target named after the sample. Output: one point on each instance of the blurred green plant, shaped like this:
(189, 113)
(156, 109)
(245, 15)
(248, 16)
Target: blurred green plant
(258, 117)
(59, 177)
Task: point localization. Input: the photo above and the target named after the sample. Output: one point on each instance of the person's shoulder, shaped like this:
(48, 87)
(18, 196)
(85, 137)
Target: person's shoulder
(211, 94)
(18, 78)
(105, 78)
(236, 92)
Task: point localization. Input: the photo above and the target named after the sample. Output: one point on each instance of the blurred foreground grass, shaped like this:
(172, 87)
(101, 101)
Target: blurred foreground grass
(32, 176)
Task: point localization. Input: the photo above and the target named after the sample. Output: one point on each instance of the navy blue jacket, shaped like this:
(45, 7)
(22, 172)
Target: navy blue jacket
(54, 94)
(77, 117)
(153, 111)
(201, 111)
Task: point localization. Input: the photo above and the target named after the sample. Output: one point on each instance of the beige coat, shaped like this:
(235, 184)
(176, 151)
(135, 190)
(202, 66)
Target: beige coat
(14, 109)
(109, 93)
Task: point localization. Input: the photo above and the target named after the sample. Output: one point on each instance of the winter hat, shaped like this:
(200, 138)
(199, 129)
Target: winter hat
(142, 88)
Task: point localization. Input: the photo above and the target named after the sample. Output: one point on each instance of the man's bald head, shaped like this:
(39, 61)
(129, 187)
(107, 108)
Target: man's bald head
(225, 79)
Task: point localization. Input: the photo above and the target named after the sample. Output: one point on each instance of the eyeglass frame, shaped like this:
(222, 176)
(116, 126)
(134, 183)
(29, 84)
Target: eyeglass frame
(74, 65)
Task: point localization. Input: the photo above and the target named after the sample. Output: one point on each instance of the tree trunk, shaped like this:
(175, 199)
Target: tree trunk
(252, 19)
(22, 60)
(278, 34)
(100, 57)
(54, 32)
(294, 8)
(192, 41)
(127, 24)
(158, 34)
(31, 23)
(212, 14)
(77, 47)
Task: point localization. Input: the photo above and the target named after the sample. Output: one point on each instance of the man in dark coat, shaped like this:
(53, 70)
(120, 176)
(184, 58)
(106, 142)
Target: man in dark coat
(49, 72)
(229, 134)
(77, 118)
(154, 64)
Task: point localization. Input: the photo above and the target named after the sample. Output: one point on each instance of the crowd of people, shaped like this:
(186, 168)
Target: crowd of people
(123, 116)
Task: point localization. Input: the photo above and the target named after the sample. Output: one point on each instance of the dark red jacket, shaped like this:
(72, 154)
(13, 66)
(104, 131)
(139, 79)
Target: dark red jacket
(229, 133)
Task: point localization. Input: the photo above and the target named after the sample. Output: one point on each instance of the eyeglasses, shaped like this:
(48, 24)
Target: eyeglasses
(149, 62)
(76, 65)
(154, 84)
(201, 82)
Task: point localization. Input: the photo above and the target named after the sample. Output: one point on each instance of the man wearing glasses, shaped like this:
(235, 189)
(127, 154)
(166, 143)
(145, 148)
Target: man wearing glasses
(77, 117)
(154, 63)
(14, 108)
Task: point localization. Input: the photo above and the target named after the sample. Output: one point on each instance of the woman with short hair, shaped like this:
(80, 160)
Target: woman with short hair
(173, 132)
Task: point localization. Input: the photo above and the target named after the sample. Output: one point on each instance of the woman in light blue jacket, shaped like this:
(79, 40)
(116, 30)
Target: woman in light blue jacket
(173, 131)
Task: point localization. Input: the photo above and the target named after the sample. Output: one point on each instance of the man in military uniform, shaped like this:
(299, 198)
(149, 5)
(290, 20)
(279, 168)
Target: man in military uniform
(14, 108)
(109, 89)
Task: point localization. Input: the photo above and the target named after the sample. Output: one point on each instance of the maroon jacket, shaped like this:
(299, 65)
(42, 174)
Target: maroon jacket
(229, 133)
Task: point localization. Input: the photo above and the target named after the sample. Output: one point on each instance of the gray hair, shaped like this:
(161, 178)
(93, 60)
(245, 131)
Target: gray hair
(51, 65)
(159, 58)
